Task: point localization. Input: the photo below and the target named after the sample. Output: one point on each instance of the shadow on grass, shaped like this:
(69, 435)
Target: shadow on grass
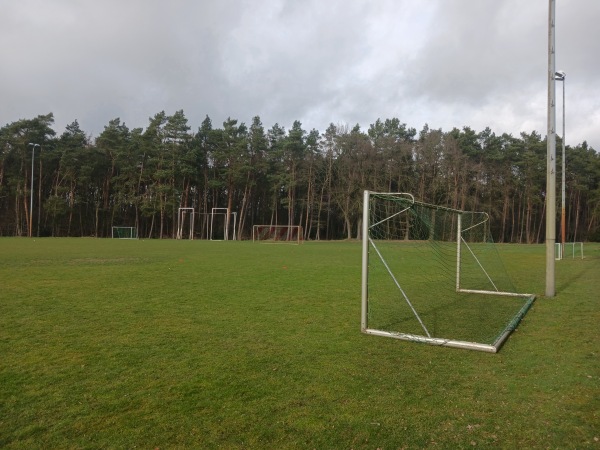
(573, 278)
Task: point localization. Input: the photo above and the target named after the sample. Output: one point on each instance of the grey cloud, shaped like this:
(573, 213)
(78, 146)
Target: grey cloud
(446, 63)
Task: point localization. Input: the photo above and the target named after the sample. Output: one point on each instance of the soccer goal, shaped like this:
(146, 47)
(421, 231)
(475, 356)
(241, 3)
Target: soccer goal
(574, 249)
(223, 224)
(124, 233)
(185, 223)
(277, 233)
(432, 274)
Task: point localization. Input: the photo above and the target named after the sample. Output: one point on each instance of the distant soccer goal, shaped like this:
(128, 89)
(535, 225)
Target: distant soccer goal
(218, 225)
(185, 223)
(433, 275)
(277, 233)
(572, 249)
(124, 233)
(223, 224)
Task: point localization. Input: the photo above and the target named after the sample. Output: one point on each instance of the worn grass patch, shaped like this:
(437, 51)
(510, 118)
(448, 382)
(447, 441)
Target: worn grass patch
(172, 344)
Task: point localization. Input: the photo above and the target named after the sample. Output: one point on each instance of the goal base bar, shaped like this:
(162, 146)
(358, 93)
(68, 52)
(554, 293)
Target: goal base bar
(507, 294)
(465, 345)
(434, 341)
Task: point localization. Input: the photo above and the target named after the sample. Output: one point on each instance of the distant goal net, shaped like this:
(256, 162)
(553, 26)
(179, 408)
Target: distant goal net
(124, 233)
(433, 275)
(277, 233)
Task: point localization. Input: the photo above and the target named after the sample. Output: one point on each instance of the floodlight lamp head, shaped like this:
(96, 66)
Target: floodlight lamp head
(560, 75)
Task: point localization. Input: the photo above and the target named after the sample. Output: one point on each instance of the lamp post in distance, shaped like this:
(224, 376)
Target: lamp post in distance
(33, 146)
(561, 76)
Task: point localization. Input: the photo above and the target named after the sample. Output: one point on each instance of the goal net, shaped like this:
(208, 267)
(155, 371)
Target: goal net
(124, 233)
(277, 233)
(432, 274)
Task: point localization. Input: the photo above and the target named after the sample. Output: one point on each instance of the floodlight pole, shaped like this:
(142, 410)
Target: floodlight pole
(33, 146)
(551, 158)
(562, 76)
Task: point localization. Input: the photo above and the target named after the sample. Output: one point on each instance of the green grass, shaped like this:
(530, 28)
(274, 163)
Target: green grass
(178, 344)
(427, 276)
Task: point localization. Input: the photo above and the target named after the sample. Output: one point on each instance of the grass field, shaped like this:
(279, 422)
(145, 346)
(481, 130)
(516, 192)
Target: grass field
(179, 344)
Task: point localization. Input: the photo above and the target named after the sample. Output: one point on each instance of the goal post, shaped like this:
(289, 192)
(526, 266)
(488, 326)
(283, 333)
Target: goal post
(277, 233)
(432, 274)
(185, 223)
(558, 251)
(124, 232)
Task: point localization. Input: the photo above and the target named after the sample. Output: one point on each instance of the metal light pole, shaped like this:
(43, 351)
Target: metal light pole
(33, 146)
(551, 159)
(562, 76)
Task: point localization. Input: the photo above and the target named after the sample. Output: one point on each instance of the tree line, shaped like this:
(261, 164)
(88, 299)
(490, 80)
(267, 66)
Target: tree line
(141, 177)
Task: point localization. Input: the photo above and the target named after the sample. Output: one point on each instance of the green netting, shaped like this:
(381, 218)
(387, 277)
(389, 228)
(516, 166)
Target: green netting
(124, 232)
(420, 267)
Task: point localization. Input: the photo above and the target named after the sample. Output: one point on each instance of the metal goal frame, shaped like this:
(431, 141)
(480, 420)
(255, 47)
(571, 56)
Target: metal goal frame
(368, 243)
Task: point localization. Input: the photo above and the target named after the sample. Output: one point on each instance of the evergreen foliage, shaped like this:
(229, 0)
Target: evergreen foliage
(140, 177)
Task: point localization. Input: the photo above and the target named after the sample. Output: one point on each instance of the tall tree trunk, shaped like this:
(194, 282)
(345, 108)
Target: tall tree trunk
(96, 225)
(504, 216)
(245, 201)
(528, 220)
(151, 226)
(39, 214)
(227, 225)
(539, 232)
(18, 224)
(577, 212)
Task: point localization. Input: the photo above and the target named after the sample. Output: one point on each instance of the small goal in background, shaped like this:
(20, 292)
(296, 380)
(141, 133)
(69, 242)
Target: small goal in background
(124, 233)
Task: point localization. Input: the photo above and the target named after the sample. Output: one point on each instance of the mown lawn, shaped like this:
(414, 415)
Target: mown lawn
(178, 344)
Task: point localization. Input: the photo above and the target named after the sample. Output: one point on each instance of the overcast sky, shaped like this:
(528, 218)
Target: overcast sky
(447, 63)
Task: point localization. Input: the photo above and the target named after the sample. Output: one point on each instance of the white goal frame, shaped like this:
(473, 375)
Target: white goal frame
(560, 249)
(181, 222)
(131, 231)
(228, 214)
(278, 231)
(368, 243)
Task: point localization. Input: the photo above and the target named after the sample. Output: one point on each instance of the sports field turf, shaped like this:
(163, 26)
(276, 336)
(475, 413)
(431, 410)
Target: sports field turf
(177, 344)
